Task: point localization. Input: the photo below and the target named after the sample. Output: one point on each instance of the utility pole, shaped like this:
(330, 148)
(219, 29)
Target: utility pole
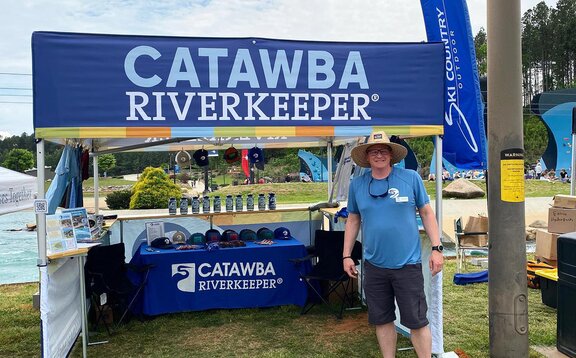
(507, 288)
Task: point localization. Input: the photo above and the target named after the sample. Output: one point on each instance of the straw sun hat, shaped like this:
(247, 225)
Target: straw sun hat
(360, 156)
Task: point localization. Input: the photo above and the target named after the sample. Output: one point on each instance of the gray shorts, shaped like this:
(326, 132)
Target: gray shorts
(406, 285)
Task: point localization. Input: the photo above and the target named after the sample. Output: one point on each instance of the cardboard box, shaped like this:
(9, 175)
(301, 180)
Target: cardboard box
(546, 243)
(476, 224)
(553, 263)
(565, 201)
(561, 220)
(473, 240)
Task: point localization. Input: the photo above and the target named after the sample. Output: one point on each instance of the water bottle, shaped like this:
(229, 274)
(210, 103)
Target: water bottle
(261, 202)
(229, 203)
(195, 205)
(250, 202)
(272, 201)
(216, 204)
(206, 204)
(183, 206)
(172, 206)
(239, 203)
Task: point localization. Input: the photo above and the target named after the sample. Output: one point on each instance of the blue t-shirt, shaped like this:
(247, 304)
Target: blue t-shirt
(389, 228)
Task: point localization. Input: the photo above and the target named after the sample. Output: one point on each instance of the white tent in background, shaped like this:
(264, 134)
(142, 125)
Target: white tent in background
(17, 191)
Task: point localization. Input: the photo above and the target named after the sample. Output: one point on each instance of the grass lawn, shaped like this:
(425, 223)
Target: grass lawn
(296, 192)
(270, 332)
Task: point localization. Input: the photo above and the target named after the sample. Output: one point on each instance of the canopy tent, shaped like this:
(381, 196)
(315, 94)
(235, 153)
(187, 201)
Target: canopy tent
(17, 191)
(117, 93)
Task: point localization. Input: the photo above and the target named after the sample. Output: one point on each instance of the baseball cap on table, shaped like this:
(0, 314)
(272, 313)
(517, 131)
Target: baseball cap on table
(282, 233)
(201, 157)
(265, 234)
(162, 243)
(256, 155)
(229, 235)
(213, 235)
(178, 237)
(248, 235)
(231, 155)
(196, 238)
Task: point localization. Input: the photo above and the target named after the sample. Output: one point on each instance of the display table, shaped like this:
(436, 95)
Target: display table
(239, 277)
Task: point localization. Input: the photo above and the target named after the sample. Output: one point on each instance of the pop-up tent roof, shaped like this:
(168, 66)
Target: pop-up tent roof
(117, 87)
(115, 92)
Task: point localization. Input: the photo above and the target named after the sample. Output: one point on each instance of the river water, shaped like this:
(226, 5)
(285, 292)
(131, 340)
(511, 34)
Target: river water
(18, 249)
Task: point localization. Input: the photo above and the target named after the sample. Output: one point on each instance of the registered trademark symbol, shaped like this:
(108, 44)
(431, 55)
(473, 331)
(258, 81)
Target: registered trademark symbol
(279, 280)
(375, 97)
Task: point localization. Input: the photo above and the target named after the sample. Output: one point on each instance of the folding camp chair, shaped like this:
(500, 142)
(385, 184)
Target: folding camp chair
(328, 271)
(462, 246)
(108, 284)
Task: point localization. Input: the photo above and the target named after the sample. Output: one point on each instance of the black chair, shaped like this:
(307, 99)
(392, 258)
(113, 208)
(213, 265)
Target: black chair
(106, 272)
(327, 276)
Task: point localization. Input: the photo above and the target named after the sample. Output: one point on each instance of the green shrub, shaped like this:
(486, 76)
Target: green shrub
(119, 199)
(153, 190)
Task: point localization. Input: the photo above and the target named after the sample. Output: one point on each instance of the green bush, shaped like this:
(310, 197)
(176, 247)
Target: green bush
(153, 190)
(119, 199)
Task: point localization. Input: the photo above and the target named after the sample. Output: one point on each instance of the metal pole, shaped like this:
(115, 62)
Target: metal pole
(507, 288)
(573, 165)
(329, 165)
(41, 217)
(436, 321)
(96, 180)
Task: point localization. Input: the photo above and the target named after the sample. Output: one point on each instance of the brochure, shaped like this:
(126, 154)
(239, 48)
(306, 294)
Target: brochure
(154, 230)
(80, 223)
(60, 233)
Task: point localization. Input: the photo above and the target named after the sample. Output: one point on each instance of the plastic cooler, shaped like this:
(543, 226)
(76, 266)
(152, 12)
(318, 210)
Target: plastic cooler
(549, 286)
(566, 326)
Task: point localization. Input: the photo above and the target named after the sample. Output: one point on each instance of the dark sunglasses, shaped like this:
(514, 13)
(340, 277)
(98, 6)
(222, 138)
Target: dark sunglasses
(383, 195)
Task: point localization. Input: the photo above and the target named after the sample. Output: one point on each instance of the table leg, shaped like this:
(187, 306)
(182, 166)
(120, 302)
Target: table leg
(83, 307)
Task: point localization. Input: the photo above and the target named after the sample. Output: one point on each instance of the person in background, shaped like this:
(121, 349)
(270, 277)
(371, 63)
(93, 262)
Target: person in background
(383, 202)
(563, 175)
(457, 175)
(538, 170)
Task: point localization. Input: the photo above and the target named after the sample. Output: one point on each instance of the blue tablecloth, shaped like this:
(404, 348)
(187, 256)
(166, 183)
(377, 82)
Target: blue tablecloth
(240, 277)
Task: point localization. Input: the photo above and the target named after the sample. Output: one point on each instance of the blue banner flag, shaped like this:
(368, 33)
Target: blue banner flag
(464, 142)
(83, 80)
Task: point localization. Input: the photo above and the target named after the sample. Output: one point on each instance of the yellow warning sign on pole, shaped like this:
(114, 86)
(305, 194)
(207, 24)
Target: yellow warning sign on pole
(512, 175)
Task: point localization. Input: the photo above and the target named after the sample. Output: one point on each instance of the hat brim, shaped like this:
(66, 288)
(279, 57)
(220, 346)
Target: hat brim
(360, 156)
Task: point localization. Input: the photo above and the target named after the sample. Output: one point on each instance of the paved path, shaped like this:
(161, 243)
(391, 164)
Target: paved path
(534, 208)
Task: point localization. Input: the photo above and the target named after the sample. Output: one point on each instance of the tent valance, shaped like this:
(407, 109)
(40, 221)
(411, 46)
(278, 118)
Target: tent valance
(110, 86)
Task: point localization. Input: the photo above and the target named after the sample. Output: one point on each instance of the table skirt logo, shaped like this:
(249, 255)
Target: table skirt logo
(188, 273)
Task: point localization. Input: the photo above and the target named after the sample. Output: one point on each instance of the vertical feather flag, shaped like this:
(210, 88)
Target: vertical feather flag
(464, 144)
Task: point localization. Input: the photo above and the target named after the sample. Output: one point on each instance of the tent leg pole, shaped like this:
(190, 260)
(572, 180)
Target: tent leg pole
(436, 321)
(96, 185)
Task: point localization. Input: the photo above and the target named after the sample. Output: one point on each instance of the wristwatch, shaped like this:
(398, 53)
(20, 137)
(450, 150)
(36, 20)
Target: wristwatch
(438, 248)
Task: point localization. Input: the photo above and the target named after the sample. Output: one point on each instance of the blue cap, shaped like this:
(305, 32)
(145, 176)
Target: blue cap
(282, 233)
(201, 157)
(256, 155)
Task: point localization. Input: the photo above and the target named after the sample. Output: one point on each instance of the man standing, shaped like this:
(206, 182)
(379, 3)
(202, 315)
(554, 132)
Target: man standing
(384, 201)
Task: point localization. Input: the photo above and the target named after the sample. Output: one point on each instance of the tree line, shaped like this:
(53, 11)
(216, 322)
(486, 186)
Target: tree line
(548, 63)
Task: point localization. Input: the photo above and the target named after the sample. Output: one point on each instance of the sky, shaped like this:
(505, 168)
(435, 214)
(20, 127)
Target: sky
(320, 20)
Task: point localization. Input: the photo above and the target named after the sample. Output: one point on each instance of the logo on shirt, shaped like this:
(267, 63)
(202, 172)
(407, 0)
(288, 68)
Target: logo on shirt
(393, 192)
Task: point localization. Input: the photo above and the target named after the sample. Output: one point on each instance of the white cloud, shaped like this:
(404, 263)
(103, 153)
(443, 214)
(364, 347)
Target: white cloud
(321, 20)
